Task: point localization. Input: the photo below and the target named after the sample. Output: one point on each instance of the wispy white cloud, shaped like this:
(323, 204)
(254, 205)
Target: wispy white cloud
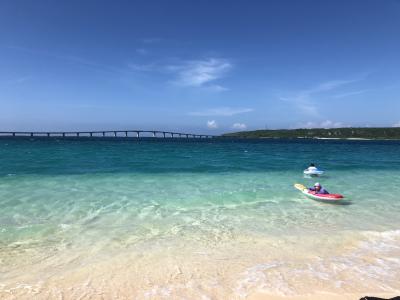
(18, 80)
(348, 94)
(153, 40)
(191, 73)
(144, 67)
(304, 99)
(216, 88)
(324, 124)
(221, 111)
(239, 126)
(212, 124)
(198, 73)
(303, 103)
(69, 59)
(329, 85)
(142, 51)
(330, 124)
(396, 124)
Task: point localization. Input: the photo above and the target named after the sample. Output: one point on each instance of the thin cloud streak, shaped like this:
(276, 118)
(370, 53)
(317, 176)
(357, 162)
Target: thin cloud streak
(144, 67)
(327, 124)
(70, 59)
(151, 40)
(191, 73)
(142, 51)
(18, 80)
(197, 73)
(304, 101)
(239, 126)
(221, 111)
(350, 94)
(216, 88)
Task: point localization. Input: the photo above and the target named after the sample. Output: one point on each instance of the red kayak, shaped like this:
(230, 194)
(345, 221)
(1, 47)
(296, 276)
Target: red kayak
(320, 197)
(325, 196)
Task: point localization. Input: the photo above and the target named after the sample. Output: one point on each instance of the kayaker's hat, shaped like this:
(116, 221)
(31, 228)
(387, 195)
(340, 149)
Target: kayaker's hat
(317, 184)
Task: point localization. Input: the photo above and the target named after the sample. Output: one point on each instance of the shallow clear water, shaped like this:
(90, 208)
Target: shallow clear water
(72, 204)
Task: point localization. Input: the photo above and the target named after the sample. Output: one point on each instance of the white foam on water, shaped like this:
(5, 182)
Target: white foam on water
(189, 290)
(374, 265)
(65, 226)
(31, 289)
(257, 278)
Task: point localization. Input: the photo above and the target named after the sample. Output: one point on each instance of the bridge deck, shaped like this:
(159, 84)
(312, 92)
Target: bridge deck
(106, 133)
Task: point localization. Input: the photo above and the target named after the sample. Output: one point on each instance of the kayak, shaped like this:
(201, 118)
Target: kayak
(318, 197)
(313, 172)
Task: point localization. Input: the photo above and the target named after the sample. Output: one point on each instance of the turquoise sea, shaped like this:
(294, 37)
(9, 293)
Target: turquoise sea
(209, 219)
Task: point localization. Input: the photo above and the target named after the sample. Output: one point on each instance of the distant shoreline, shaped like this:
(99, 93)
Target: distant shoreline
(347, 133)
(329, 139)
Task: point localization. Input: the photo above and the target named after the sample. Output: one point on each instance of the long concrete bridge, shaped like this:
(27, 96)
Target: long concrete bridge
(106, 133)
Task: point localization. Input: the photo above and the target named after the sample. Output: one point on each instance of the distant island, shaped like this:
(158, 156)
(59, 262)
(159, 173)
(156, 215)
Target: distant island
(323, 133)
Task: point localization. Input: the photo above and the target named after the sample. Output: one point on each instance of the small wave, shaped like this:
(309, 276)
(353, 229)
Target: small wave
(383, 235)
(65, 226)
(31, 289)
(257, 278)
(373, 265)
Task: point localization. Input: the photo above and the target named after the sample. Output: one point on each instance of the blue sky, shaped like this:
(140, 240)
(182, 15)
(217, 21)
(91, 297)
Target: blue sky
(198, 66)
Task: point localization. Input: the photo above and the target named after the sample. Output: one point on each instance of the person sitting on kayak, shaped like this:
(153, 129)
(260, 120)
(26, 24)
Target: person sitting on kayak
(318, 189)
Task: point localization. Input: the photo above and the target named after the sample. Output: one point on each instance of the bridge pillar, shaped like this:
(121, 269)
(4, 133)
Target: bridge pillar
(115, 133)
(164, 134)
(126, 133)
(48, 134)
(31, 133)
(63, 134)
(91, 134)
(154, 134)
(77, 134)
(137, 134)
